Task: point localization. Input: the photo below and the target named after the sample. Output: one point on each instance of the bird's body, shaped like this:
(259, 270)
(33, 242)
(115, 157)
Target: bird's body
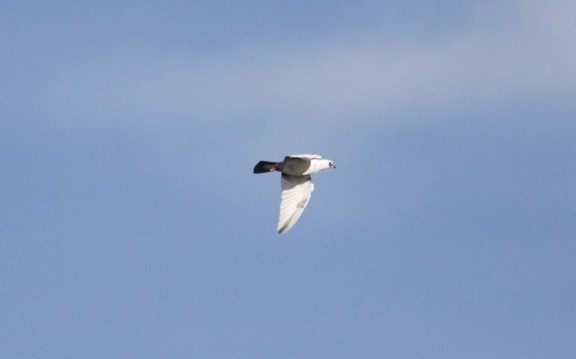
(297, 185)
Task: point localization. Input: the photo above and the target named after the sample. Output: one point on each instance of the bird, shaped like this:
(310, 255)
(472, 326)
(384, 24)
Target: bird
(297, 185)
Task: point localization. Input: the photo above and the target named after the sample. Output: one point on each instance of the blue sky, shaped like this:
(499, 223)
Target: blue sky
(132, 225)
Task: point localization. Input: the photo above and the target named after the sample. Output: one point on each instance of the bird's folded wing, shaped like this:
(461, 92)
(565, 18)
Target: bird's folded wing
(296, 192)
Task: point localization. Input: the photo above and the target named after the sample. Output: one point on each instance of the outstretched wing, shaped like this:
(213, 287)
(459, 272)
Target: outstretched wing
(296, 192)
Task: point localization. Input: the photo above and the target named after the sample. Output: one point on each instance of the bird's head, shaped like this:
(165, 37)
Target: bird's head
(326, 164)
(319, 164)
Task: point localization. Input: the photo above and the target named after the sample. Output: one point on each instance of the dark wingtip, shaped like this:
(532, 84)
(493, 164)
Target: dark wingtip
(265, 166)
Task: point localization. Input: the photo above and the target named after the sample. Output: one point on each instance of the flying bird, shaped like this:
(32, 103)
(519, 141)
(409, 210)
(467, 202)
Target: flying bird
(297, 185)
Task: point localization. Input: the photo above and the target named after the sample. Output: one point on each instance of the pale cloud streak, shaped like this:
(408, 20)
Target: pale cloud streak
(342, 80)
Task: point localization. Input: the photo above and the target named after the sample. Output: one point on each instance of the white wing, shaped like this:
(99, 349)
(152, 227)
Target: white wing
(306, 156)
(296, 192)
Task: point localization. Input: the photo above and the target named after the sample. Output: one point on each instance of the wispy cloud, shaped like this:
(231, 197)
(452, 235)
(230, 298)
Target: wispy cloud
(535, 51)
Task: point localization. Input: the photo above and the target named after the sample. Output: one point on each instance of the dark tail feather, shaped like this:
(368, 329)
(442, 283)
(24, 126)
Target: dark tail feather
(265, 166)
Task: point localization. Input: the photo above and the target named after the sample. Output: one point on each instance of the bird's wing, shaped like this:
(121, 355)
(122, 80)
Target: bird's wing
(296, 192)
(305, 156)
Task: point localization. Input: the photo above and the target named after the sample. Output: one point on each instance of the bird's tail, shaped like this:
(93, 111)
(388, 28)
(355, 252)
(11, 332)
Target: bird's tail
(266, 166)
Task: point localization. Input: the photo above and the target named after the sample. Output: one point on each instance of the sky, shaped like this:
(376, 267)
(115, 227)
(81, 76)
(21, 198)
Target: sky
(132, 226)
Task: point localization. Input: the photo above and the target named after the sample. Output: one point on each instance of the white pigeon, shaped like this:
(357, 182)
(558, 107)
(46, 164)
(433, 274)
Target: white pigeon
(297, 186)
